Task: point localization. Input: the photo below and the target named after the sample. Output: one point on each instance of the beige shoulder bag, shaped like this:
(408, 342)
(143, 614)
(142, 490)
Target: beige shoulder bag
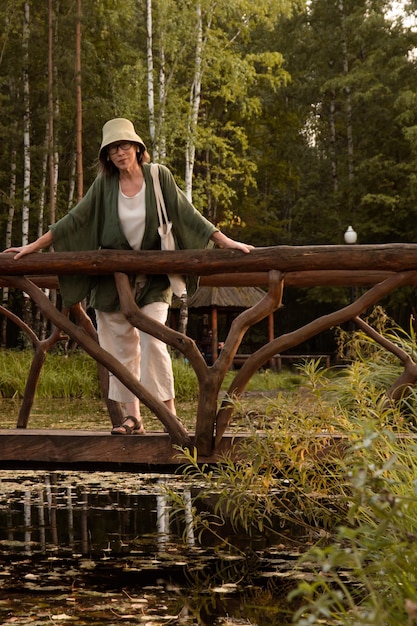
(165, 231)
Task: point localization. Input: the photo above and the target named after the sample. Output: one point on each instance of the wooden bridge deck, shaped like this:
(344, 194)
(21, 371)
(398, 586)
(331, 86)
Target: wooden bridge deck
(95, 450)
(87, 450)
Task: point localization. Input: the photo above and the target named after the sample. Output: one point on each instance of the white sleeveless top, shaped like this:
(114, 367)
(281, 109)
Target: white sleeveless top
(132, 213)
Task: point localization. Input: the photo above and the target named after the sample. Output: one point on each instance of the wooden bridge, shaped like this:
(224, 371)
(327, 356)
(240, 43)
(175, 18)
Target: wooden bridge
(381, 268)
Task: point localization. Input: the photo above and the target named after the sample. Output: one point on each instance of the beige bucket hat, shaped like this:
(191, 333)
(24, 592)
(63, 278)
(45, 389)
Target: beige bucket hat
(119, 129)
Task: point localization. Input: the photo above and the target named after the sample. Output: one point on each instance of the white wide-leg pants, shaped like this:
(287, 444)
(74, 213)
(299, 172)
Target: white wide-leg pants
(146, 357)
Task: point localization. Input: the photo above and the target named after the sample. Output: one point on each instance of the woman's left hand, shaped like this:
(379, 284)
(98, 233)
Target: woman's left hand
(226, 242)
(239, 245)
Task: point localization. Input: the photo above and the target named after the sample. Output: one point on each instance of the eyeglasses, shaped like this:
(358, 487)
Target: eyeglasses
(124, 145)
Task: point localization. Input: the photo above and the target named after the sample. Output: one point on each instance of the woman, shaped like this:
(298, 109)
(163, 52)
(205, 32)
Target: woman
(119, 212)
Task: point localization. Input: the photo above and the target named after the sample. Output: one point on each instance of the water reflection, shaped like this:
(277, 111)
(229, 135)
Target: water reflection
(69, 541)
(63, 511)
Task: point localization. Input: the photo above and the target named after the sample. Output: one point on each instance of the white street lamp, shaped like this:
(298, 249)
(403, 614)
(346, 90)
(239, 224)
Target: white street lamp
(350, 235)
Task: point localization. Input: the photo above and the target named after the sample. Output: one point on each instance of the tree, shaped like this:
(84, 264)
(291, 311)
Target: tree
(343, 157)
(79, 161)
(202, 78)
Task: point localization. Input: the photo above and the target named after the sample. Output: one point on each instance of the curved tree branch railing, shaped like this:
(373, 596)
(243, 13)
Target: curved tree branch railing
(176, 430)
(385, 267)
(402, 386)
(289, 340)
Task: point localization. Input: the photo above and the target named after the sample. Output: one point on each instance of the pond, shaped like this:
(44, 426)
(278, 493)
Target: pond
(105, 548)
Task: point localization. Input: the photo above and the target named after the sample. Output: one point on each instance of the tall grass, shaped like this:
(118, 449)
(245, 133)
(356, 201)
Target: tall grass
(339, 465)
(367, 572)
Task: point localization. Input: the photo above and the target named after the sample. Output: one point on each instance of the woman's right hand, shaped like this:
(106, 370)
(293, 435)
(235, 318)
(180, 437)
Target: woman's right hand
(44, 241)
(22, 250)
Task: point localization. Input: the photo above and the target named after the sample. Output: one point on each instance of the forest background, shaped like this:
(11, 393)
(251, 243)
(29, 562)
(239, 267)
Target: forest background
(283, 121)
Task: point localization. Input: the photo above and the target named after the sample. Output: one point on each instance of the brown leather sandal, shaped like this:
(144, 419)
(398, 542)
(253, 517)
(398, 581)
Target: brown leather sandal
(125, 429)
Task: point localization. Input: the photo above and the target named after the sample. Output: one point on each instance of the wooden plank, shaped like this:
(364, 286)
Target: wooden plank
(91, 449)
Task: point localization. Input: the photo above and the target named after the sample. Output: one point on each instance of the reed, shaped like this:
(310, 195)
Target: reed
(336, 467)
(365, 573)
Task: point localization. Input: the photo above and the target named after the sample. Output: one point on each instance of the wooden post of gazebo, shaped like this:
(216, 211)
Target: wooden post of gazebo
(215, 335)
(271, 334)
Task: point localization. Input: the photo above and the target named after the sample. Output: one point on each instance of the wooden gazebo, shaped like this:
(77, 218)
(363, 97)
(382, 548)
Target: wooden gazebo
(210, 302)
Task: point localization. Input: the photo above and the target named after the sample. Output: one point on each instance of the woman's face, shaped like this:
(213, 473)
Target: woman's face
(123, 154)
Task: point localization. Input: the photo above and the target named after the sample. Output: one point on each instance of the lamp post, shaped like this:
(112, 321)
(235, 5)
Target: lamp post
(351, 237)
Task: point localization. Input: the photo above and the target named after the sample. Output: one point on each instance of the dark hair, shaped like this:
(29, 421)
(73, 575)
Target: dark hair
(107, 167)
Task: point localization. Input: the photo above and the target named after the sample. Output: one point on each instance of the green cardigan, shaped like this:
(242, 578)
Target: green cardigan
(94, 223)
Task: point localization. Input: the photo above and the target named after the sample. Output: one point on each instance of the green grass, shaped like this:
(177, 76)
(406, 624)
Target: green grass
(269, 380)
(68, 393)
(358, 509)
(75, 376)
(334, 467)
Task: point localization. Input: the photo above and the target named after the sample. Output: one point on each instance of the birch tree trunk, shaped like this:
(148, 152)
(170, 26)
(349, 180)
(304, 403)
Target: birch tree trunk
(150, 70)
(71, 185)
(42, 194)
(27, 307)
(156, 120)
(40, 326)
(26, 125)
(80, 183)
(53, 106)
(162, 102)
(51, 151)
(194, 104)
(56, 100)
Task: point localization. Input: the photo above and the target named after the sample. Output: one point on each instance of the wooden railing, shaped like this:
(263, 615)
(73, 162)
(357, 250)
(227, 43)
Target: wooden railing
(382, 268)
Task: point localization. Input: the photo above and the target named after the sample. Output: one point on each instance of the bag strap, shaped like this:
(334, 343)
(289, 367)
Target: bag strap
(160, 202)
